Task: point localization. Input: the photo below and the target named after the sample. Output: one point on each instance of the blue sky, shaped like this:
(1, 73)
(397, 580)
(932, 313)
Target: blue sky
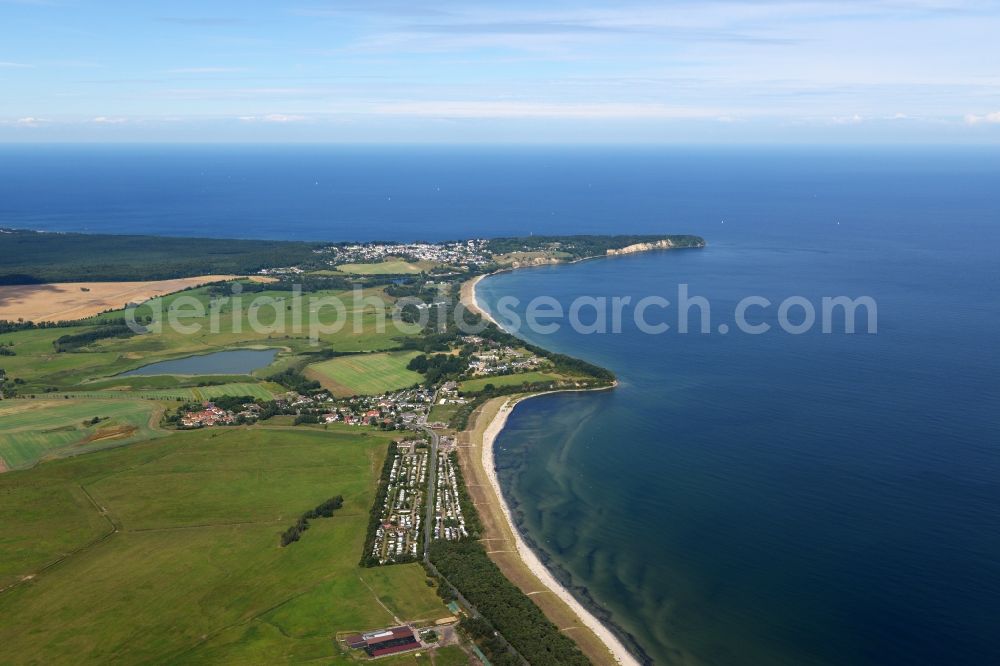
(876, 71)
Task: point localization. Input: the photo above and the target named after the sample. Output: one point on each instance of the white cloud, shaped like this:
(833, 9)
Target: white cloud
(855, 119)
(481, 109)
(105, 120)
(215, 93)
(988, 118)
(273, 118)
(29, 121)
(6, 64)
(206, 70)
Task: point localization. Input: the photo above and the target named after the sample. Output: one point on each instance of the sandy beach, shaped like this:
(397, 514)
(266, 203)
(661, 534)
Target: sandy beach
(467, 296)
(570, 614)
(597, 641)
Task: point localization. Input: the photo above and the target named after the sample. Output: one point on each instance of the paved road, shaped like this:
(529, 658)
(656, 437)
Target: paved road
(431, 485)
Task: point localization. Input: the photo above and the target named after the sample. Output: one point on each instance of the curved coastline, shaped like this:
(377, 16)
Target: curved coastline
(528, 556)
(605, 633)
(470, 301)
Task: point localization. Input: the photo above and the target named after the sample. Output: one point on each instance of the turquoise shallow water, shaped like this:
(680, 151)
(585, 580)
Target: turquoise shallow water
(778, 499)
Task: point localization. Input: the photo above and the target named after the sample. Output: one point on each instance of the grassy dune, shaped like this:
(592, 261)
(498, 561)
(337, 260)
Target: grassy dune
(34, 429)
(184, 564)
(368, 374)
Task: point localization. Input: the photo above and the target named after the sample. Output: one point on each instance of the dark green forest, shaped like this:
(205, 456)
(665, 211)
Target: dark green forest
(31, 257)
(467, 566)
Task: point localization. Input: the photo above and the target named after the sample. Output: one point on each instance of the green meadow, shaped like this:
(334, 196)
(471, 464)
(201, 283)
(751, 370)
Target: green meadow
(475, 385)
(367, 374)
(388, 267)
(442, 413)
(167, 552)
(31, 430)
(263, 391)
(360, 326)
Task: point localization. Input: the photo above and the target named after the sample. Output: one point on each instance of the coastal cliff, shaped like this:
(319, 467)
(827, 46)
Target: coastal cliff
(662, 244)
(536, 261)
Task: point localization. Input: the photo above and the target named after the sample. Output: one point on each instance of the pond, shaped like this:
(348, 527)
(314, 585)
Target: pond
(235, 362)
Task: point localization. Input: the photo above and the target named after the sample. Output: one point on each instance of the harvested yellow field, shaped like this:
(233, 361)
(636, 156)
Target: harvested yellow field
(76, 300)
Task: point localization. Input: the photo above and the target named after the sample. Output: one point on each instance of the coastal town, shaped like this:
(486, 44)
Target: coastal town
(453, 257)
(395, 410)
(473, 251)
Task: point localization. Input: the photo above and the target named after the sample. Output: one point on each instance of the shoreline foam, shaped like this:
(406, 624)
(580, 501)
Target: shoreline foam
(615, 647)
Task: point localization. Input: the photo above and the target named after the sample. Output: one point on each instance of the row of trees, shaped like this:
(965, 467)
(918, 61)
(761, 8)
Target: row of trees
(324, 510)
(11, 325)
(472, 522)
(304, 283)
(73, 341)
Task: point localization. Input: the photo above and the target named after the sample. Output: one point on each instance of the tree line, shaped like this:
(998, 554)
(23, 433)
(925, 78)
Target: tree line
(73, 341)
(31, 257)
(324, 510)
(473, 524)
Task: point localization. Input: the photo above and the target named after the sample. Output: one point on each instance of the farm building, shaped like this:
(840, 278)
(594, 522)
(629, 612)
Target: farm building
(384, 642)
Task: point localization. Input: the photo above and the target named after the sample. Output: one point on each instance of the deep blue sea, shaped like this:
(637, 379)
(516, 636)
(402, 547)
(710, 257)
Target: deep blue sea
(739, 499)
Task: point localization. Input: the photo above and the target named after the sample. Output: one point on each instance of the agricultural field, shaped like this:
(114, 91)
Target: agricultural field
(388, 267)
(474, 385)
(78, 300)
(168, 552)
(365, 374)
(263, 391)
(32, 430)
(164, 382)
(361, 324)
